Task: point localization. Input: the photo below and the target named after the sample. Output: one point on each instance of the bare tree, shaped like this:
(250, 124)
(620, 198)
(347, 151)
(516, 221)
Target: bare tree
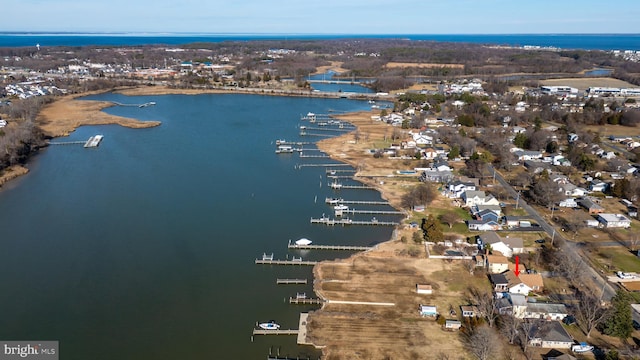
(509, 327)
(589, 312)
(450, 218)
(483, 343)
(487, 304)
(469, 265)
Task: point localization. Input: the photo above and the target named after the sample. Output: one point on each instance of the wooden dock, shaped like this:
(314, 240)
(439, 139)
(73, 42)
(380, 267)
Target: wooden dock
(295, 261)
(320, 165)
(354, 202)
(338, 186)
(275, 332)
(304, 133)
(374, 212)
(329, 171)
(305, 301)
(328, 247)
(320, 156)
(340, 176)
(328, 221)
(291, 281)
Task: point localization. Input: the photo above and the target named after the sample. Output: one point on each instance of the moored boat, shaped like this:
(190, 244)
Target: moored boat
(271, 325)
(303, 241)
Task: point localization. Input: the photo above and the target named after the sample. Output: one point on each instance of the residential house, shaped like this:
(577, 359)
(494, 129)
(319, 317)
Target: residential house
(469, 311)
(511, 221)
(598, 186)
(499, 282)
(456, 188)
(536, 167)
(441, 165)
(429, 153)
(534, 281)
(590, 206)
(422, 139)
(614, 221)
(516, 286)
(432, 175)
(549, 334)
(428, 311)
(486, 215)
(482, 225)
(546, 311)
(632, 211)
(524, 155)
(570, 189)
(569, 203)
(490, 206)
(512, 304)
(472, 197)
(424, 289)
(506, 246)
(497, 264)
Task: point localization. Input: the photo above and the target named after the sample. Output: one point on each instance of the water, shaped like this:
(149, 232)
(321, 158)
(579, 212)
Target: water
(143, 248)
(564, 41)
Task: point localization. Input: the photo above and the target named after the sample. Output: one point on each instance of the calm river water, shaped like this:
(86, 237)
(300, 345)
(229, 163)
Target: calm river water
(144, 248)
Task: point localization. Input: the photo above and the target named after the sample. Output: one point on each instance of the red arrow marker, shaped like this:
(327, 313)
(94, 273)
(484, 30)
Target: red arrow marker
(517, 265)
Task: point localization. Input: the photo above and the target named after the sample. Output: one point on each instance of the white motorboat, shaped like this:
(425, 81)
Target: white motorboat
(582, 348)
(303, 241)
(271, 325)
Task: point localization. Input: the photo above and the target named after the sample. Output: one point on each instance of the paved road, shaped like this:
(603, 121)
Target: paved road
(564, 244)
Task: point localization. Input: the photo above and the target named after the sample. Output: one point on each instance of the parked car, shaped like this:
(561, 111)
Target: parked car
(540, 241)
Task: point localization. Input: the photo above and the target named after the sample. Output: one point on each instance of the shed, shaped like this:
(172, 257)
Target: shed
(452, 324)
(428, 311)
(424, 289)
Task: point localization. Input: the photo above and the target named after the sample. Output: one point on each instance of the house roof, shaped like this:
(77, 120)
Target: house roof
(513, 243)
(518, 299)
(512, 278)
(549, 331)
(521, 267)
(498, 279)
(469, 308)
(473, 193)
(489, 237)
(532, 280)
(497, 259)
(547, 308)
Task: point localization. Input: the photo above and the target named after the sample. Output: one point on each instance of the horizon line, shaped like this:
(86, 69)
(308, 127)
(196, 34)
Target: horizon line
(192, 33)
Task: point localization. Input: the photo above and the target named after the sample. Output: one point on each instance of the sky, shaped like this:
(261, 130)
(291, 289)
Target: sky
(323, 17)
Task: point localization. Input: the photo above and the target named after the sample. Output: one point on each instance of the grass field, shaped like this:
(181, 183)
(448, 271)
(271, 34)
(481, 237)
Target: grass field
(584, 83)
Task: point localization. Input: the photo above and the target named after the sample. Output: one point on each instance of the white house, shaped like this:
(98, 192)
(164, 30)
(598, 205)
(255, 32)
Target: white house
(569, 203)
(547, 311)
(614, 221)
(428, 311)
(497, 264)
(456, 188)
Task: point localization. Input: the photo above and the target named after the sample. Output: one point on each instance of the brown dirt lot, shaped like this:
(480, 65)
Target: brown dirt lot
(379, 332)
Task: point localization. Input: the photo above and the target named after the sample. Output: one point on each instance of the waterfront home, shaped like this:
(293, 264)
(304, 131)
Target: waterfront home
(497, 264)
(534, 281)
(512, 304)
(549, 334)
(614, 221)
(546, 311)
(515, 285)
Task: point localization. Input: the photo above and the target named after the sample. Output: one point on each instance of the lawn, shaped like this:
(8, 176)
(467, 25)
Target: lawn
(618, 258)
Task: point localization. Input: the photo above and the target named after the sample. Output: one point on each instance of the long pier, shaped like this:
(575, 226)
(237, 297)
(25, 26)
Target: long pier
(304, 133)
(329, 171)
(295, 261)
(355, 202)
(305, 301)
(374, 212)
(275, 332)
(291, 281)
(328, 221)
(324, 156)
(326, 128)
(320, 165)
(150, 103)
(67, 143)
(328, 247)
(298, 143)
(340, 176)
(339, 186)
